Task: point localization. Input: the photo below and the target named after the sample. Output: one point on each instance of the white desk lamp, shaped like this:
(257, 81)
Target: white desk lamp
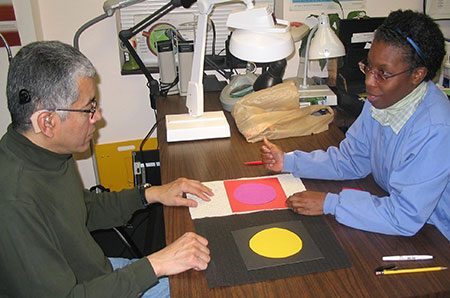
(257, 37)
(323, 44)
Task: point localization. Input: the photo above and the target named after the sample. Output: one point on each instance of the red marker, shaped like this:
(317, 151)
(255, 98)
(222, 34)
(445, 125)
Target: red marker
(254, 163)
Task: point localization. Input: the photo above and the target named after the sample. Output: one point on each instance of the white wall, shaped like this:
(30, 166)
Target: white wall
(124, 99)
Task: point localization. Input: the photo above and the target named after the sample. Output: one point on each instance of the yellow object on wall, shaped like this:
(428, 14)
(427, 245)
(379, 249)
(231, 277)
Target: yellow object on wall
(114, 161)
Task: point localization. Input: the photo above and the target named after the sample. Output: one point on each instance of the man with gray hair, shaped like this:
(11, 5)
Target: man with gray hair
(45, 214)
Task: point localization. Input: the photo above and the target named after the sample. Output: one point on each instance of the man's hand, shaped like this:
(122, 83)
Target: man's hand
(171, 194)
(272, 156)
(190, 251)
(307, 202)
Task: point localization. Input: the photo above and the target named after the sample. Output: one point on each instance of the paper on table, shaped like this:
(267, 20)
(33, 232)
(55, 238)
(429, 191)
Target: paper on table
(220, 205)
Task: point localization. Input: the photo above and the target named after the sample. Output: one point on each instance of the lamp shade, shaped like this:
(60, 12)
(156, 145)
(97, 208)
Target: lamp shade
(258, 36)
(260, 47)
(325, 43)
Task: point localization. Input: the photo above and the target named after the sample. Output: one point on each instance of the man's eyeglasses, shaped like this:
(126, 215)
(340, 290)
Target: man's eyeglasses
(379, 75)
(91, 110)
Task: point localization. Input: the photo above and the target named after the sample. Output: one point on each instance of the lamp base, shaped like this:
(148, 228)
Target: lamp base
(184, 127)
(317, 94)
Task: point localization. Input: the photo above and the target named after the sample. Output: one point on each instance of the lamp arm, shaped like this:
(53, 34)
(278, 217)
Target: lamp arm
(156, 15)
(205, 6)
(126, 35)
(195, 96)
(86, 25)
(109, 7)
(7, 47)
(194, 99)
(76, 45)
(305, 68)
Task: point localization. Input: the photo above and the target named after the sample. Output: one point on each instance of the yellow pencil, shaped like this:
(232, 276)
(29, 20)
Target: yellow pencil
(412, 270)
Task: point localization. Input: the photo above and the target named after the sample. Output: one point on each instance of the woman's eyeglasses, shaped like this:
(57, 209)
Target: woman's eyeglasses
(91, 110)
(379, 75)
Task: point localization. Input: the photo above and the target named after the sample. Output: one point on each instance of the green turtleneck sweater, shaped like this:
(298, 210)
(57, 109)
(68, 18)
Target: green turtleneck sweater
(46, 249)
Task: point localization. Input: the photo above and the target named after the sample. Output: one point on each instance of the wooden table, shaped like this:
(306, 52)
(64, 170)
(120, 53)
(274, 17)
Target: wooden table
(220, 159)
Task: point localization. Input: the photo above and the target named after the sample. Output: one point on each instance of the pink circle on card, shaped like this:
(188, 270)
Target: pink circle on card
(254, 193)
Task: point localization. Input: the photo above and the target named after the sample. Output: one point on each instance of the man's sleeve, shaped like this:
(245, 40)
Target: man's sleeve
(33, 265)
(111, 209)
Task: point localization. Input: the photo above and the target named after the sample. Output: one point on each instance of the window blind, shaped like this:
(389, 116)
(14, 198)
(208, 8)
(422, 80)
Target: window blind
(179, 21)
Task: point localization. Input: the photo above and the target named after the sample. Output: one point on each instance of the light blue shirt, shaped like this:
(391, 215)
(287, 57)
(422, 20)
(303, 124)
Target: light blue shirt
(413, 166)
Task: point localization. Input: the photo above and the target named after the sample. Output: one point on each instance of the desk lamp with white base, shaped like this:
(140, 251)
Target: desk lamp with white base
(257, 37)
(322, 43)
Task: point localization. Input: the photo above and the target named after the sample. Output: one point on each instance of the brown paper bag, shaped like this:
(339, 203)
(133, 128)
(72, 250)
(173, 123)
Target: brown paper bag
(275, 113)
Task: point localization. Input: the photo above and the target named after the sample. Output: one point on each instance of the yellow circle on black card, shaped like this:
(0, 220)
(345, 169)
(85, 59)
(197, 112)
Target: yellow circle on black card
(275, 243)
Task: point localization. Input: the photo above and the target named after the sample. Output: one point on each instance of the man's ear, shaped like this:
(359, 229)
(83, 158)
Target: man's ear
(419, 74)
(43, 122)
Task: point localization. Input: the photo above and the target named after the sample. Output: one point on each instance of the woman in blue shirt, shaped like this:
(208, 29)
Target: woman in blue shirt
(402, 138)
